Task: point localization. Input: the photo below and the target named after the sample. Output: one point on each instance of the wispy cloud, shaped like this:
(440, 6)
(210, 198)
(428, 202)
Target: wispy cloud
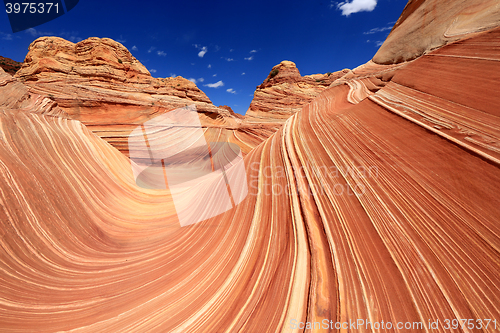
(356, 6)
(231, 90)
(253, 51)
(215, 85)
(72, 36)
(121, 39)
(249, 58)
(151, 49)
(6, 36)
(196, 80)
(161, 53)
(134, 48)
(231, 50)
(229, 59)
(377, 43)
(203, 50)
(209, 66)
(243, 73)
(376, 30)
(173, 75)
(214, 75)
(152, 70)
(36, 33)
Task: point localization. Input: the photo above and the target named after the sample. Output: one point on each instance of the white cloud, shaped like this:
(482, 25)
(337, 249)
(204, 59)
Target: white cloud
(214, 75)
(161, 53)
(134, 48)
(35, 33)
(173, 75)
(71, 36)
(196, 80)
(356, 6)
(249, 58)
(231, 50)
(214, 85)
(253, 51)
(203, 50)
(152, 70)
(151, 49)
(6, 36)
(230, 90)
(379, 43)
(121, 40)
(243, 73)
(209, 66)
(229, 59)
(375, 30)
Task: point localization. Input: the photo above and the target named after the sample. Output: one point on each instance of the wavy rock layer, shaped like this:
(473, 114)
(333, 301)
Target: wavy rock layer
(380, 208)
(425, 25)
(98, 82)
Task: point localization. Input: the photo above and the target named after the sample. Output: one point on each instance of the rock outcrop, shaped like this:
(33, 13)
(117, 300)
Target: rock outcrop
(9, 66)
(98, 82)
(284, 92)
(425, 25)
(378, 201)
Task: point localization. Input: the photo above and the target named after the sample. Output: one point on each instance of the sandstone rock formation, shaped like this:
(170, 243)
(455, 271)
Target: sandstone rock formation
(377, 201)
(425, 25)
(98, 82)
(284, 92)
(10, 66)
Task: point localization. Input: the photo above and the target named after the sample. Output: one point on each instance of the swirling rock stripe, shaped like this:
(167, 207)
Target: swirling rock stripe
(353, 212)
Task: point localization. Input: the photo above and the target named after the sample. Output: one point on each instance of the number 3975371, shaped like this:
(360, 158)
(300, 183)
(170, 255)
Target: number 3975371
(31, 7)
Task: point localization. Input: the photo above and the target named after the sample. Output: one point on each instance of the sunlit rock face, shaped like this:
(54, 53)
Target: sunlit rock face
(9, 66)
(98, 82)
(377, 201)
(425, 25)
(284, 92)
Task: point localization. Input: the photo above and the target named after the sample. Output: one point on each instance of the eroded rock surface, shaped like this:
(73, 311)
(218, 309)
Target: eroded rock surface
(284, 92)
(377, 201)
(98, 82)
(425, 25)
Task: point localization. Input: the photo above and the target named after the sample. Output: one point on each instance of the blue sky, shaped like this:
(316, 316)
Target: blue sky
(228, 47)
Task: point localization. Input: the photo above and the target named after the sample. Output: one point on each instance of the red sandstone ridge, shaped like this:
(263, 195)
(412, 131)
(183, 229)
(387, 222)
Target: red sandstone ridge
(427, 25)
(285, 91)
(100, 83)
(10, 66)
(378, 201)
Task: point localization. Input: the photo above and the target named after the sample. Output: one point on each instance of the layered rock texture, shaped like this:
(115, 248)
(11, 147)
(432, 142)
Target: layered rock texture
(10, 66)
(98, 82)
(377, 201)
(284, 92)
(428, 24)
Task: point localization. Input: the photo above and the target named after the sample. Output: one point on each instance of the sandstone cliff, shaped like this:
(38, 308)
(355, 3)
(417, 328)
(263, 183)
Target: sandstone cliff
(10, 66)
(425, 25)
(377, 201)
(98, 82)
(284, 92)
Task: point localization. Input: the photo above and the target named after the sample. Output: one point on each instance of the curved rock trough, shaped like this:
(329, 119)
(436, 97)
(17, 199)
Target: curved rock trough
(376, 200)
